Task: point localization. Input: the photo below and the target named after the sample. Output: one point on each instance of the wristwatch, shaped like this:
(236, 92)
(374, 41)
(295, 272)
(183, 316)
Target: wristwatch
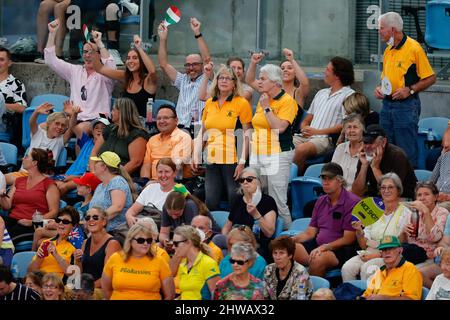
(411, 90)
(267, 110)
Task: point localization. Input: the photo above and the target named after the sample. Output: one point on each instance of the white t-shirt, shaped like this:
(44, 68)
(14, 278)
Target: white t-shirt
(153, 194)
(41, 141)
(440, 290)
(2, 181)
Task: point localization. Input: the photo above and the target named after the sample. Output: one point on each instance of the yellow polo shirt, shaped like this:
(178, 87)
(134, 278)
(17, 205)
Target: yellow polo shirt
(402, 281)
(176, 146)
(193, 283)
(216, 252)
(137, 278)
(266, 141)
(161, 253)
(405, 64)
(49, 264)
(220, 122)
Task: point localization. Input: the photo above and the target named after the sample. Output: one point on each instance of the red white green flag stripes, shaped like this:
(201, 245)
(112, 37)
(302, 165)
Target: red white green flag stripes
(173, 15)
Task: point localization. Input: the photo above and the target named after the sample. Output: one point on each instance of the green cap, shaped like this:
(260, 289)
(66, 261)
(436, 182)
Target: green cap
(389, 242)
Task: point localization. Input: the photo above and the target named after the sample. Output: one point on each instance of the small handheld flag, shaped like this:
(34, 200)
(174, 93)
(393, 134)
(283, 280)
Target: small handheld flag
(368, 210)
(86, 33)
(173, 15)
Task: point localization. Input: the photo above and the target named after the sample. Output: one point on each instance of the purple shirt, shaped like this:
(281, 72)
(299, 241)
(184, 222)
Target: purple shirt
(331, 221)
(98, 87)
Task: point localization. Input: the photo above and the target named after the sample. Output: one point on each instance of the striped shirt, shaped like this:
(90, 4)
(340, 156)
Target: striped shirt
(7, 242)
(441, 173)
(327, 109)
(22, 293)
(188, 105)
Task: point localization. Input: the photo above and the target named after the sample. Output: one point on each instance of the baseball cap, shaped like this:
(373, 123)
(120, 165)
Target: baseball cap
(88, 179)
(331, 170)
(100, 119)
(372, 132)
(389, 242)
(111, 159)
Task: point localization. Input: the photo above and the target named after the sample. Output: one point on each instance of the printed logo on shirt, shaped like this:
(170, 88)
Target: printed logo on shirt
(133, 271)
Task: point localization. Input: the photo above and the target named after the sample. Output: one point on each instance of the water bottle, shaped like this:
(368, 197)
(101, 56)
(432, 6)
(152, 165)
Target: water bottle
(149, 110)
(37, 220)
(415, 222)
(301, 290)
(256, 229)
(15, 270)
(179, 168)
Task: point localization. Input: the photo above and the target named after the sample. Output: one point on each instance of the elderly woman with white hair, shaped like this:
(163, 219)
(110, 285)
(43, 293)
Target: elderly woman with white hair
(220, 119)
(254, 208)
(272, 148)
(396, 216)
(240, 284)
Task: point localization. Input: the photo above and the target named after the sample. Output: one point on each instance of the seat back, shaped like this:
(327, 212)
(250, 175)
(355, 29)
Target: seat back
(437, 124)
(57, 100)
(158, 103)
(22, 260)
(437, 34)
(422, 175)
(362, 284)
(221, 217)
(425, 292)
(300, 224)
(9, 151)
(303, 190)
(314, 170)
(294, 172)
(319, 282)
(278, 227)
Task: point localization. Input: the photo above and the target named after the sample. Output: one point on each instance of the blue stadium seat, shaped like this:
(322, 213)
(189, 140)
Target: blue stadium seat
(296, 227)
(294, 172)
(438, 125)
(303, 190)
(425, 292)
(314, 170)
(333, 273)
(437, 34)
(278, 227)
(362, 284)
(23, 246)
(9, 151)
(5, 137)
(22, 260)
(319, 282)
(422, 175)
(221, 217)
(158, 102)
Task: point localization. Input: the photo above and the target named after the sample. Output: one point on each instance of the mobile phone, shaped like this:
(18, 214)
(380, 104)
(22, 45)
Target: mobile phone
(44, 247)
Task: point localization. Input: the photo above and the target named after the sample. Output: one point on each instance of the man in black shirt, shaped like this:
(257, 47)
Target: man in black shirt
(10, 290)
(378, 158)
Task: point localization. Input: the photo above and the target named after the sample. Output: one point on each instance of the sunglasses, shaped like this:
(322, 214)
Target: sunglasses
(239, 262)
(64, 221)
(176, 243)
(93, 217)
(142, 240)
(248, 179)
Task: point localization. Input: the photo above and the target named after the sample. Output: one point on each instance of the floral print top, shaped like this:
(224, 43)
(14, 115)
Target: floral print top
(227, 290)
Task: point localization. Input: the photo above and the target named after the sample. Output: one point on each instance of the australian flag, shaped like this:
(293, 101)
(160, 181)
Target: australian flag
(76, 237)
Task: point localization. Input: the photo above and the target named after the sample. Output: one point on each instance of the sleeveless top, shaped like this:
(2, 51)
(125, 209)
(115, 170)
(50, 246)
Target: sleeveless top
(140, 98)
(299, 117)
(94, 264)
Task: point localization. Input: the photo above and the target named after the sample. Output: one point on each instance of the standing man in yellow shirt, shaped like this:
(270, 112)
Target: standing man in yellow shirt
(406, 72)
(398, 279)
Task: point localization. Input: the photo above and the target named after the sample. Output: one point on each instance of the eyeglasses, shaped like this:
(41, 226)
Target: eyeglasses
(94, 217)
(239, 262)
(222, 78)
(164, 118)
(176, 243)
(64, 221)
(45, 286)
(387, 188)
(83, 93)
(248, 179)
(192, 65)
(142, 240)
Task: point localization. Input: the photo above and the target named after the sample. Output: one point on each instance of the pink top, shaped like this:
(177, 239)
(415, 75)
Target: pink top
(27, 201)
(429, 240)
(98, 88)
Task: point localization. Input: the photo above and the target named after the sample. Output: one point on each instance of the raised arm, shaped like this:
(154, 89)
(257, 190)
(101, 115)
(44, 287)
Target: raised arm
(99, 67)
(202, 46)
(250, 76)
(151, 78)
(300, 75)
(42, 109)
(162, 53)
(208, 71)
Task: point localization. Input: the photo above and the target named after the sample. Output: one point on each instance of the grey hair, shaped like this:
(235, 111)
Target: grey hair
(149, 223)
(273, 72)
(353, 117)
(395, 178)
(392, 19)
(255, 173)
(244, 249)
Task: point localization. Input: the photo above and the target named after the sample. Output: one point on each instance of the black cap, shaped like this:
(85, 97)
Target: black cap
(331, 170)
(372, 132)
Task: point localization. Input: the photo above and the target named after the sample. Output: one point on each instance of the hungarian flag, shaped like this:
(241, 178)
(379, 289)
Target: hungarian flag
(173, 15)
(86, 32)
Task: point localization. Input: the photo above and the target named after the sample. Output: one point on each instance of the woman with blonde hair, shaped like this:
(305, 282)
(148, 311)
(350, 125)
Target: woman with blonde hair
(137, 273)
(359, 104)
(219, 122)
(198, 272)
(126, 136)
(52, 287)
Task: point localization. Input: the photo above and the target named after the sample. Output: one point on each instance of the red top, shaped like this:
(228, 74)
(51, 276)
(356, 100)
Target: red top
(27, 201)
